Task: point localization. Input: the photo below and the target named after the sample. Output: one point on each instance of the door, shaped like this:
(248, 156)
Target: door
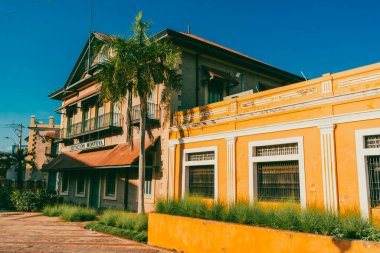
(126, 191)
(94, 191)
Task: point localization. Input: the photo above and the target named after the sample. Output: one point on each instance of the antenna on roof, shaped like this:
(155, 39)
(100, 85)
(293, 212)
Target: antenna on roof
(188, 29)
(89, 42)
(303, 75)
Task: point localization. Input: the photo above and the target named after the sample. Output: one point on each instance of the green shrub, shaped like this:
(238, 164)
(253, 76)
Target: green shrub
(70, 212)
(285, 217)
(5, 197)
(125, 220)
(32, 200)
(130, 234)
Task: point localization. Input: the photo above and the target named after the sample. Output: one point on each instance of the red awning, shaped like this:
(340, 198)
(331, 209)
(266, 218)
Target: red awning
(78, 98)
(214, 73)
(113, 156)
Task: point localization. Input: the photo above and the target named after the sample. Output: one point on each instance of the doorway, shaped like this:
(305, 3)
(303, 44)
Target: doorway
(94, 191)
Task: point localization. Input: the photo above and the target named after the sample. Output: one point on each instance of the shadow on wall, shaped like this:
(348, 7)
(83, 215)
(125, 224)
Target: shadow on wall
(342, 245)
(193, 117)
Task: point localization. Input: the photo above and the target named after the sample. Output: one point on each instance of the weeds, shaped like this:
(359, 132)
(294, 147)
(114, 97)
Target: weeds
(285, 217)
(70, 212)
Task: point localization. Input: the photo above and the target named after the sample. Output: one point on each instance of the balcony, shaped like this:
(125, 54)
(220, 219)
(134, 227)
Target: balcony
(96, 124)
(154, 113)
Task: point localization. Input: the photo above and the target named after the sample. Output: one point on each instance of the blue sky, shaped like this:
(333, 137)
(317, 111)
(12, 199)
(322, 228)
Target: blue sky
(41, 39)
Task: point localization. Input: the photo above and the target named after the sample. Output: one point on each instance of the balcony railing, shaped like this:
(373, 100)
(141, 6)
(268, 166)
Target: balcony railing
(154, 112)
(101, 122)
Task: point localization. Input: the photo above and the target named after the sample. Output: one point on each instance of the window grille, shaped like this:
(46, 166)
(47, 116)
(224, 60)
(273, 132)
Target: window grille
(278, 181)
(148, 181)
(201, 181)
(280, 149)
(372, 141)
(373, 164)
(201, 156)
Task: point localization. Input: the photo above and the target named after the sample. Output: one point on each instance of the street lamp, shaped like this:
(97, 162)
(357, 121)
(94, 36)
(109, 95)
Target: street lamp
(10, 138)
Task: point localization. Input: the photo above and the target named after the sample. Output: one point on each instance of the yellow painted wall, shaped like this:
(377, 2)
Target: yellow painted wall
(190, 235)
(352, 92)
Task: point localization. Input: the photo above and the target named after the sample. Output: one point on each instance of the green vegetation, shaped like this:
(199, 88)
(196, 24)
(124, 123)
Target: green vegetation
(31, 200)
(121, 223)
(287, 217)
(70, 212)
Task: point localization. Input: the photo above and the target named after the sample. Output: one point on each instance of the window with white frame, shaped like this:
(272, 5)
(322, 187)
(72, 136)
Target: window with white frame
(276, 170)
(368, 167)
(148, 180)
(200, 172)
(65, 183)
(80, 185)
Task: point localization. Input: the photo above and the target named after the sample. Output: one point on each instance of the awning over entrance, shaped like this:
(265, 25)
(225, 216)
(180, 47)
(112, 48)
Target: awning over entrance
(214, 73)
(107, 157)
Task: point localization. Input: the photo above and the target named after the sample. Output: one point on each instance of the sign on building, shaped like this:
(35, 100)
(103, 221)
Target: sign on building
(87, 145)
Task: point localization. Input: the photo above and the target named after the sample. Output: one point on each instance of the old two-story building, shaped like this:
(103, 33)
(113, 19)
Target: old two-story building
(42, 149)
(96, 166)
(315, 143)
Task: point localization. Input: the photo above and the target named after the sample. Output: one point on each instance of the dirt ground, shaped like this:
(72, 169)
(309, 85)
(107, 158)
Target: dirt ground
(32, 232)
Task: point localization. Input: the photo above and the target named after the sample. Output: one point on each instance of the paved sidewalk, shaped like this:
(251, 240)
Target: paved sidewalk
(32, 232)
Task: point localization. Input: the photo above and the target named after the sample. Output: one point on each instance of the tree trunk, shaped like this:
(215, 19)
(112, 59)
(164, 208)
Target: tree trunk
(19, 175)
(140, 207)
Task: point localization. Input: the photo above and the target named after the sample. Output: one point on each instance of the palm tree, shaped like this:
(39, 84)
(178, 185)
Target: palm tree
(20, 159)
(135, 66)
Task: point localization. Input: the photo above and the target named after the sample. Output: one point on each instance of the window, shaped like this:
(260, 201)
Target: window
(201, 181)
(215, 91)
(65, 183)
(368, 168)
(110, 184)
(100, 116)
(148, 180)
(278, 181)
(277, 170)
(80, 187)
(200, 173)
(52, 181)
(86, 117)
(373, 166)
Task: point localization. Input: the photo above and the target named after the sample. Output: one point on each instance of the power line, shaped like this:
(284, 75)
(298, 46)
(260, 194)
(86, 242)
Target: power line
(22, 9)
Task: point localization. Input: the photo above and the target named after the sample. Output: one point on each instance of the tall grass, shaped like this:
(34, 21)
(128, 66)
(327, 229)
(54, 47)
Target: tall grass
(70, 212)
(285, 217)
(131, 225)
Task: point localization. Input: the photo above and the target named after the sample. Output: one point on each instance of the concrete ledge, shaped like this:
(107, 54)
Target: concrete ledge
(189, 235)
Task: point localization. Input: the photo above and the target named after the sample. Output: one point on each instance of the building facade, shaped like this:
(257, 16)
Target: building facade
(95, 166)
(42, 149)
(316, 143)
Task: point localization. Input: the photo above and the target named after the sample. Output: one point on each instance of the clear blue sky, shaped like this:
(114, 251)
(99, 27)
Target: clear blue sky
(41, 39)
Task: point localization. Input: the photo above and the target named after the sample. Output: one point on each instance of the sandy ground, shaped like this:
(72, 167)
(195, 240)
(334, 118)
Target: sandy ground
(32, 232)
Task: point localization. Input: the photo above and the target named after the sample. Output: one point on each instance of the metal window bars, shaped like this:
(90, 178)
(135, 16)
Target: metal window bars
(373, 165)
(201, 156)
(372, 141)
(201, 181)
(278, 181)
(275, 150)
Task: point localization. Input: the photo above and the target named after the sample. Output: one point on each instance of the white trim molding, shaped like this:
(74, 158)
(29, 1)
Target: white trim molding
(253, 160)
(330, 192)
(186, 164)
(363, 180)
(231, 170)
(316, 122)
(171, 180)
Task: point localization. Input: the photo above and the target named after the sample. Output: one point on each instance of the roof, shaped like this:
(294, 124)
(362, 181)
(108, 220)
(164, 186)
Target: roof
(197, 43)
(111, 156)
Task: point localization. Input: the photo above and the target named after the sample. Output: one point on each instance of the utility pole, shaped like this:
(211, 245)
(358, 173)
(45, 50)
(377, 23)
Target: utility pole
(19, 136)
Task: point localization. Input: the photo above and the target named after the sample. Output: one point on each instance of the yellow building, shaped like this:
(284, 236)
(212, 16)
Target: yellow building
(315, 142)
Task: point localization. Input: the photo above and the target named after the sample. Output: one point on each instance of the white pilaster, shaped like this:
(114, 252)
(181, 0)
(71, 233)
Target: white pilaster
(329, 167)
(171, 180)
(231, 170)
